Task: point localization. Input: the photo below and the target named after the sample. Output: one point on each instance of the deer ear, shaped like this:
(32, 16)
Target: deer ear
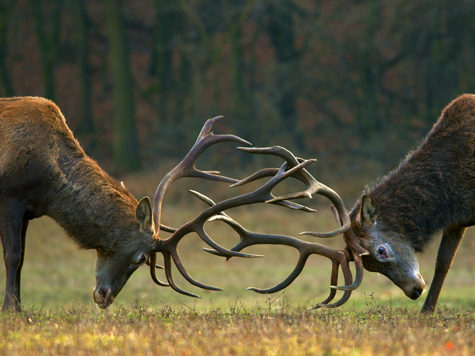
(369, 210)
(144, 214)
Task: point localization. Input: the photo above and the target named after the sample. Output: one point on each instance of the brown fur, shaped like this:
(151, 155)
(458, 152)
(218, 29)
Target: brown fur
(44, 171)
(432, 190)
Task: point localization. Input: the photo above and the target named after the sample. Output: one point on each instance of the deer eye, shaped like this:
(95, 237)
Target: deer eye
(382, 251)
(142, 258)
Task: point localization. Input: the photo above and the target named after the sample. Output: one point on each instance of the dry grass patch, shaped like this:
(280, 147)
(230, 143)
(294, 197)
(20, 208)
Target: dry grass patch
(376, 330)
(148, 320)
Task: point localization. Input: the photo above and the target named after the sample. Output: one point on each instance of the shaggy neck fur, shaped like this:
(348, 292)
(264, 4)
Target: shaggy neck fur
(91, 204)
(433, 188)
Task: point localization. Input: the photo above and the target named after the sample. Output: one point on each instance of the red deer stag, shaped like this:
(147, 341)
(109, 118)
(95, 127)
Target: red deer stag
(44, 171)
(432, 190)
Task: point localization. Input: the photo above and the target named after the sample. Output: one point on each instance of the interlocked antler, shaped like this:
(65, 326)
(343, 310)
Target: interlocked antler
(293, 167)
(186, 168)
(338, 257)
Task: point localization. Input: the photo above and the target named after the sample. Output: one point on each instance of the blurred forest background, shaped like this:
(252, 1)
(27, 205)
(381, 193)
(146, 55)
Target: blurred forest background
(355, 84)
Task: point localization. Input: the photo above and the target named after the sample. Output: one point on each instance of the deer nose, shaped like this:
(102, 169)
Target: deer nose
(418, 288)
(103, 296)
(416, 293)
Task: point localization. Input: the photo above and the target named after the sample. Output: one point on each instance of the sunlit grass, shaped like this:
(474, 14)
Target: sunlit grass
(236, 330)
(56, 273)
(60, 317)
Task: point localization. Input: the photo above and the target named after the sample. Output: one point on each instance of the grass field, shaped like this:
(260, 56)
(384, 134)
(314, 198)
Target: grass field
(368, 330)
(60, 317)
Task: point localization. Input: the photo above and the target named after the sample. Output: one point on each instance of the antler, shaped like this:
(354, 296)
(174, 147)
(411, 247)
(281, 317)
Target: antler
(186, 168)
(293, 167)
(338, 257)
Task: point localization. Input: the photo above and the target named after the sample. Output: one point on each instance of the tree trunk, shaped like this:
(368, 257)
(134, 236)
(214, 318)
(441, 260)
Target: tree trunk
(238, 80)
(81, 45)
(48, 25)
(281, 31)
(126, 145)
(5, 80)
(165, 23)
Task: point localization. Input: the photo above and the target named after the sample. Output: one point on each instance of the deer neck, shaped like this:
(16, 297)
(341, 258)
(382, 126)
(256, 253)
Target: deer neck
(90, 205)
(417, 200)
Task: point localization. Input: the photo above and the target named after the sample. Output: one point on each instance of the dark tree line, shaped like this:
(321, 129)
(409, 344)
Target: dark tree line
(347, 81)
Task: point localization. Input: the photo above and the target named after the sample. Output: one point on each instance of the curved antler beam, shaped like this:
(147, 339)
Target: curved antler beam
(293, 167)
(305, 248)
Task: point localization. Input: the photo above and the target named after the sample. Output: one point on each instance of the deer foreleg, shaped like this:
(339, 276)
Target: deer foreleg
(449, 245)
(12, 233)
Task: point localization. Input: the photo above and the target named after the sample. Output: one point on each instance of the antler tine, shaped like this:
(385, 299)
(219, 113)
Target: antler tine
(356, 252)
(167, 228)
(249, 238)
(186, 167)
(270, 172)
(153, 272)
(334, 280)
(313, 187)
(344, 220)
(205, 237)
(358, 265)
(168, 248)
(294, 206)
(186, 275)
(293, 167)
(288, 281)
(356, 257)
(173, 254)
(205, 199)
(168, 273)
(260, 195)
(278, 151)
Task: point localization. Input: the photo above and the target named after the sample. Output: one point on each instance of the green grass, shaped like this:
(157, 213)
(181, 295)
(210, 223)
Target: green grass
(236, 330)
(60, 317)
(56, 273)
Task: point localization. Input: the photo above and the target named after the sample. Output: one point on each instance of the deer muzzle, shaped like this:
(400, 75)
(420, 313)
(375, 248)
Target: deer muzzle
(415, 289)
(103, 296)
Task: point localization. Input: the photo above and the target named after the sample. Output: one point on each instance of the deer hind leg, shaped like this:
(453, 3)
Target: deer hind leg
(12, 233)
(451, 239)
(16, 290)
